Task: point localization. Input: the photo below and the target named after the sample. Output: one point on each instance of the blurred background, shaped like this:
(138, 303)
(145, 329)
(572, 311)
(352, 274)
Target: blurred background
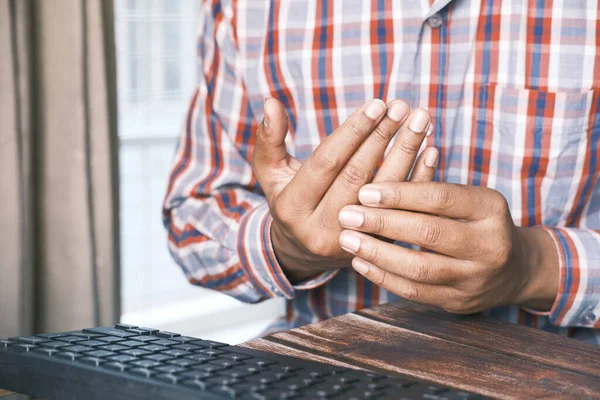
(94, 94)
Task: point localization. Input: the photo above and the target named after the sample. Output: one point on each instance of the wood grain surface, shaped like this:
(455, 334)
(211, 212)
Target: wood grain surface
(475, 353)
(4, 393)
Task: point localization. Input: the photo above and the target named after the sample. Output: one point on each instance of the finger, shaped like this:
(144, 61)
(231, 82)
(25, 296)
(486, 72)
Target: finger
(446, 199)
(317, 173)
(418, 266)
(269, 149)
(443, 235)
(424, 169)
(410, 290)
(361, 166)
(401, 157)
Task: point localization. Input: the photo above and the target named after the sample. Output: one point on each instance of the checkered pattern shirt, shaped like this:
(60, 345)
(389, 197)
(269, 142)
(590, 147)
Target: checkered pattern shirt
(513, 88)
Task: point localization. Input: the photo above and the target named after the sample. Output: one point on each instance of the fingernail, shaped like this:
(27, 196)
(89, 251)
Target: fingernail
(431, 158)
(429, 130)
(351, 218)
(369, 196)
(350, 242)
(397, 111)
(419, 121)
(361, 266)
(266, 118)
(375, 109)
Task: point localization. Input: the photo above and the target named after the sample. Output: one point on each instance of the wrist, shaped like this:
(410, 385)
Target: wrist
(539, 258)
(290, 259)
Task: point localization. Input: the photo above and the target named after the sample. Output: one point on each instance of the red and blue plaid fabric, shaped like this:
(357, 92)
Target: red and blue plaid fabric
(513, 88)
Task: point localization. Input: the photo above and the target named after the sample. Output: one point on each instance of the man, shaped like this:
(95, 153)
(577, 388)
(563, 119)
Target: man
(289, 207)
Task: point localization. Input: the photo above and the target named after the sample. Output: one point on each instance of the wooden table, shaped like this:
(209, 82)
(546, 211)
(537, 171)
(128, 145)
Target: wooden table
(474, 353)
(469, 352)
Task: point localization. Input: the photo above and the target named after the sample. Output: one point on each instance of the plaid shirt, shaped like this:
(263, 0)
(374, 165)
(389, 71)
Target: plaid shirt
(513, 88)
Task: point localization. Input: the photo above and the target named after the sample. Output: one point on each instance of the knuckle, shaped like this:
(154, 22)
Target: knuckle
(378, 223)
(430, 233)
(499, 203)
(325, 160)
(382, 134)
(411, 292)
(421, 269)
(442, 198)
(408, 146)
(381, 279)
(374, 254)
(317, 247)
(355, 129)
(354, 175)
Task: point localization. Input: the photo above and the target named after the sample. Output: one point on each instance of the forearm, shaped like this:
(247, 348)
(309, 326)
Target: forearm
(540, 257)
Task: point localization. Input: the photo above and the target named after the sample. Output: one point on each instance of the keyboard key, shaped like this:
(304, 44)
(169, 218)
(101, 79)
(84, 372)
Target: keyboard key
(113, 347)
(100, 353)
(209, 368)
(6, 343)
(87, 336)
(159, 357)
(143, 331)
(96, 361)
(125, 326)
(209, 343)
(177, 353)
(210, 352)
(164, 342)
(182, 362)
(142, 372)
(136, 352)
(116, 366)
(145, 363)
(197, 375)
(183, 339)
(77, 349)
(187, 347)
(200, 358)
(429, 388)
(236, 357)
(123, 358)
(91, 343)
(145, 338)
(170, 369)
(46, 351)
(55, 345)
(29, 339)
(153, 348)
(166, 334)
(110, 332)
(168, 378)
(69, 355)
(223, 363)
(51, 336)
(131, 343)
(70, 339)
(111, 339)
(194, 383)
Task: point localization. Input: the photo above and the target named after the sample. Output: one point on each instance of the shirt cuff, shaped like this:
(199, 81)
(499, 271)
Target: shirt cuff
(259, 262)
(578, 300)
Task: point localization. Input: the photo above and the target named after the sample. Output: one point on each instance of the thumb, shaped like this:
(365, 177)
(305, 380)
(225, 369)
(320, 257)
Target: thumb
(269, 149)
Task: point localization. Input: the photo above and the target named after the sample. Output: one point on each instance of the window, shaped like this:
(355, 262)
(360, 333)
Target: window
(156, 50)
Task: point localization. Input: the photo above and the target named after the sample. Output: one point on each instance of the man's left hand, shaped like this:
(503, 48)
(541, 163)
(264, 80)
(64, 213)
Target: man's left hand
(479, 258)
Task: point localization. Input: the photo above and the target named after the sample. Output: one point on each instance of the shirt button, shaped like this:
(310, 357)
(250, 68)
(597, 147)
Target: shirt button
(435, 21)
(588, 317)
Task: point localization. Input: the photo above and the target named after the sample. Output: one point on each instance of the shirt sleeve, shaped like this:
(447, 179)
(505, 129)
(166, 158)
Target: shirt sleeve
(578, 299)
(217, 219)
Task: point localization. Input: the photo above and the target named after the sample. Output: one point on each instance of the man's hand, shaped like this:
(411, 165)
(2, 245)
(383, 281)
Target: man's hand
(480, 259)
(305, 198)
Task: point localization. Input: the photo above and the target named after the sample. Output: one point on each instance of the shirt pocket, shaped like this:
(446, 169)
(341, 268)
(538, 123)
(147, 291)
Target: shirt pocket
(542, 147)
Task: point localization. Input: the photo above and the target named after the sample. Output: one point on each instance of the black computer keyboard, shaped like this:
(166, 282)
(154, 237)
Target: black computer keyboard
(129, 362)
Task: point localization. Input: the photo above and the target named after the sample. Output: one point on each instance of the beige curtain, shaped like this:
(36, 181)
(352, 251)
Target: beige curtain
(58, 166)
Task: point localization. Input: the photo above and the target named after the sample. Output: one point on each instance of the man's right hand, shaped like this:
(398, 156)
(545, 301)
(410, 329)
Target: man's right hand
(305, 198)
